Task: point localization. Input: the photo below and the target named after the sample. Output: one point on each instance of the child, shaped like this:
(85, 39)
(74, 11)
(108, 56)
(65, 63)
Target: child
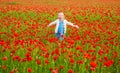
(61, 25)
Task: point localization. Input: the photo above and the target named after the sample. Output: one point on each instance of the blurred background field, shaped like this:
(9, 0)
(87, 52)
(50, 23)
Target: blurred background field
(28, 46)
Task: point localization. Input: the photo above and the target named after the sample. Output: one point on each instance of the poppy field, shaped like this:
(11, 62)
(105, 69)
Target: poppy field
(27, 45)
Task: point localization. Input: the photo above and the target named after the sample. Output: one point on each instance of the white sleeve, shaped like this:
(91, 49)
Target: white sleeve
(69, 23)
(52, 23)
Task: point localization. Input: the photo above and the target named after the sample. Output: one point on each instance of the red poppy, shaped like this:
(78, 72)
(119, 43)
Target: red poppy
(24, 59)
(55, 70)
(100, 59)
(2, 42)
(100, 52)
(29, 70)
(61, 67)
(4, 67)
(56, 57)
(71, 42)
(5, 58)
(79, 62)
(16, 34)
(115, 54)
(70, 71)
(57, 51)
(29, 58)
(86, 55)
(51, 69)
(93, 64)
(92, 69)
(27, 54)
(44, 49)
(106, 58)
(47, 61)
(16, 58)
(108, 63)
(72, 61)
(12, 72)
(47, 55)
(38, 61)
(78, 47)
(93, 58)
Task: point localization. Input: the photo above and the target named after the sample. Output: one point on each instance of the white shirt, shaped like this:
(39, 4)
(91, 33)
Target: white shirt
(56, 22)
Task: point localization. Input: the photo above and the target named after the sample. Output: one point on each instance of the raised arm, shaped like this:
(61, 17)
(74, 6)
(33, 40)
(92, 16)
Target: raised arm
(52, 23)
(71, 24)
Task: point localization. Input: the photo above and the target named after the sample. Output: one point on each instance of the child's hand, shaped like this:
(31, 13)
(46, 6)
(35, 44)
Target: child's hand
(76, 26)
(48, 26)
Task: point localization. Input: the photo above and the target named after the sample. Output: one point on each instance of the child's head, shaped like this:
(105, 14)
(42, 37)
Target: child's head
(61, 15)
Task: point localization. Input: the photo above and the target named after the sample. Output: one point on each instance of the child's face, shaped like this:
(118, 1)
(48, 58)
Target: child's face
(61, 16)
